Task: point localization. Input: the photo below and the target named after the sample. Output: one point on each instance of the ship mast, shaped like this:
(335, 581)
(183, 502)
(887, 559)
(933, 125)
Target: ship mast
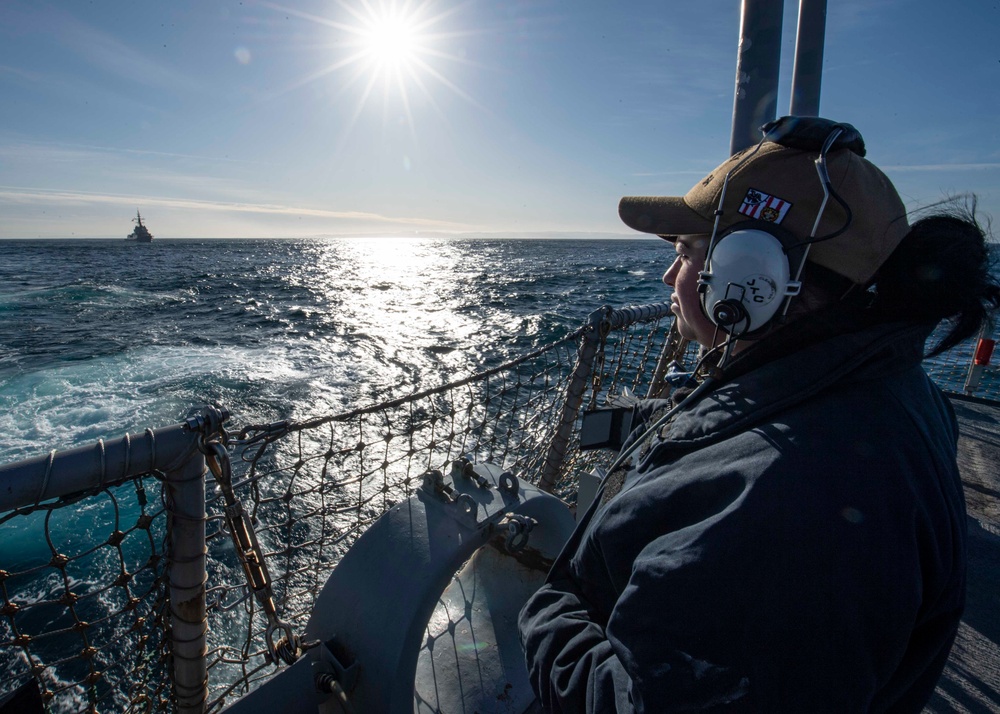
(758, 61)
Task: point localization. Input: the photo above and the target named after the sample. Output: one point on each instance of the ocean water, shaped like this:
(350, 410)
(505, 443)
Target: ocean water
(102, 337)
(99, 338)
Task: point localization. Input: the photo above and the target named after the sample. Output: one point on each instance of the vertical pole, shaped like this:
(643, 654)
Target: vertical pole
(980, 361)
(185, 487)
(807, 74)
(757, 66)
(578, 382)
(674, 348)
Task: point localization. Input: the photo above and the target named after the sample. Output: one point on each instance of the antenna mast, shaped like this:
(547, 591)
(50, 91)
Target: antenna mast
(759, 60)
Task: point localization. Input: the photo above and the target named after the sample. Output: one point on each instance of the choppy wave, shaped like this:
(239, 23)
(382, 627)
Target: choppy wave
(102, 337)
(98, 338)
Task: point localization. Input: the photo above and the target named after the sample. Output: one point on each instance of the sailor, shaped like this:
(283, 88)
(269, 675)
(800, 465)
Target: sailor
(788, 533)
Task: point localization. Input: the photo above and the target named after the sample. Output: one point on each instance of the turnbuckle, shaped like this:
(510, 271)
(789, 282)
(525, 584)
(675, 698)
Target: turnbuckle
(289, 647)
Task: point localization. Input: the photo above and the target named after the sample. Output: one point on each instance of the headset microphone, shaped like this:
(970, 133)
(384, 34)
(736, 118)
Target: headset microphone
(727, 313)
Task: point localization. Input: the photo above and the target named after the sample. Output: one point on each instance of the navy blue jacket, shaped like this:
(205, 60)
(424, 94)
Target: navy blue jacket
(794, 541)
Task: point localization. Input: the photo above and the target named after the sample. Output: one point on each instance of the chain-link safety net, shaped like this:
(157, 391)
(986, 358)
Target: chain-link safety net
(308, 490)
(312, 488)
(81, 612)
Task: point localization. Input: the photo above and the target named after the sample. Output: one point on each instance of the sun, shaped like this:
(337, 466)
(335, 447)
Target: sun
(396, 49)
(392, 44)
(397, 42)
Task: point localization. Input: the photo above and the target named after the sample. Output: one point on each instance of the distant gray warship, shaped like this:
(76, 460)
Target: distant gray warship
(140, 234)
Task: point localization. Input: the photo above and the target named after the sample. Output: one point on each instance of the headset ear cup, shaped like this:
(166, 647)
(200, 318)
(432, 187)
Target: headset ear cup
(747, 278)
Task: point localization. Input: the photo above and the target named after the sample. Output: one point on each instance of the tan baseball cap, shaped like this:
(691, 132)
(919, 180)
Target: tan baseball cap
(780, 185)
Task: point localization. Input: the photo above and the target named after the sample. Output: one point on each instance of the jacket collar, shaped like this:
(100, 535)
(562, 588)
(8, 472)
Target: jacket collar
(750, 396)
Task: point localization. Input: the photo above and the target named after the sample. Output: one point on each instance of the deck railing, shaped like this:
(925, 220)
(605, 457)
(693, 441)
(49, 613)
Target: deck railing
(120, 585)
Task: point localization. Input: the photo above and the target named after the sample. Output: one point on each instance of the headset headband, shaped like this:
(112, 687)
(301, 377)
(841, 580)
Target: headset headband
(810, 134)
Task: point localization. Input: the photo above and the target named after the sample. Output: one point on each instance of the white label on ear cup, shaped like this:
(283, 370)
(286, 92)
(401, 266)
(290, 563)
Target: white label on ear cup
(760, 289)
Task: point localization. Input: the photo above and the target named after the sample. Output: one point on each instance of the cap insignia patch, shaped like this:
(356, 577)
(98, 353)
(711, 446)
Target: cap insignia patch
(764, 207)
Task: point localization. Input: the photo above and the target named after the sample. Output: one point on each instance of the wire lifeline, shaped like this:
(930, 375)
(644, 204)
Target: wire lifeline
(383, 406)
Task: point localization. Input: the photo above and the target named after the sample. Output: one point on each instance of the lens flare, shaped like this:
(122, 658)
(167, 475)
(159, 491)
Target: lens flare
(398, 46)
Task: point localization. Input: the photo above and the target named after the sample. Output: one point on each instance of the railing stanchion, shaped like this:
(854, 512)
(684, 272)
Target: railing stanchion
(980, 361)
(185, 491)
(674, 348)
(556, 454)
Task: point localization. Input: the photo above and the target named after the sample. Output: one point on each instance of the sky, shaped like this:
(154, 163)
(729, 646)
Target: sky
(247, 119)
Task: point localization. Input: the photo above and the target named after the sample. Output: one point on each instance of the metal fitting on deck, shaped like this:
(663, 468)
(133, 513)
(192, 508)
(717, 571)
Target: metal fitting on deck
(210, 421)
(518, 529)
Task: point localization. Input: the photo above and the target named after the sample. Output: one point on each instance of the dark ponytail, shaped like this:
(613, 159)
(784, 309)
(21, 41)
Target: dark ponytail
(940, 271)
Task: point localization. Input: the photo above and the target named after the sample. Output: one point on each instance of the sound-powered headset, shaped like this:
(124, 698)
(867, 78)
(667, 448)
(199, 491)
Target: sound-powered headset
(748, 281)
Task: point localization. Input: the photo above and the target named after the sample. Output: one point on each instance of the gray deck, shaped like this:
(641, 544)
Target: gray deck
(971, 680)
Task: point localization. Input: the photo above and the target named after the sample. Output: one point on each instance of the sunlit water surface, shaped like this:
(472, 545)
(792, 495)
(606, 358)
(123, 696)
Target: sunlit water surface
(100, 337)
